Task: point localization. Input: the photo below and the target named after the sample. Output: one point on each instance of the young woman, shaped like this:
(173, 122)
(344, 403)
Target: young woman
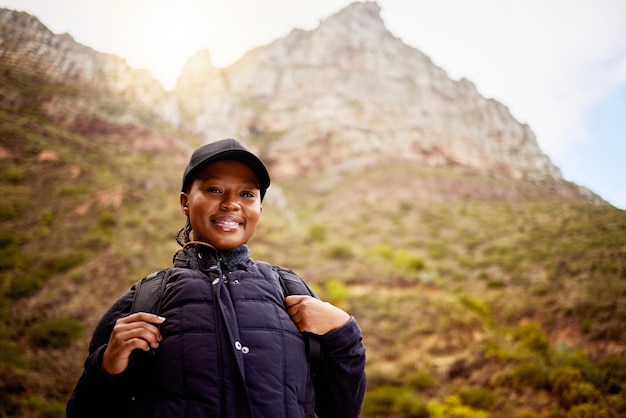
(226, 342)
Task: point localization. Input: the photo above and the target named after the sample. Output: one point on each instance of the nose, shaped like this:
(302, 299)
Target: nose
(230, 202)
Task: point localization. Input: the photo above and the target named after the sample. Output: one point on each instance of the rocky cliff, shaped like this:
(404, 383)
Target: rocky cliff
(346, 95)
(25, 43)
(349, 94)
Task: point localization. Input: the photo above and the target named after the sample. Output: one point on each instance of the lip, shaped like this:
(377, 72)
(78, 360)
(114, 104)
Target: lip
(227, 223)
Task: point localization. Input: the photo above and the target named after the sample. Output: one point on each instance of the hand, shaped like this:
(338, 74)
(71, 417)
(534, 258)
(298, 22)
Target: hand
(314, 316)
(137, 331)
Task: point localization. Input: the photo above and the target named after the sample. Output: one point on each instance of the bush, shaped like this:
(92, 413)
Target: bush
(340, 252)
(14, 174)
(407, 405)
(24, 285)
(55, 333)
(477, 397)
(453, 407)
(336, 292)
(407, 261)
(614, 368)
(420, 380)
(531, 374)
(578, 360)
(588, 411)
(384, 251)
(317, 233)
(394, 401)
(476, 305)
(526, 413)
(568, 386)
(562, 379)
(10, 354)
(532, 337)
(62, 263)
(580, 393)
(44, 408)
(9, 212)
(380, 401)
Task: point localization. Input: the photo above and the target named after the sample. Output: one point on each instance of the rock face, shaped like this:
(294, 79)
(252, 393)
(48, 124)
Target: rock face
(344, 96)
(27, 44)
(349, 94)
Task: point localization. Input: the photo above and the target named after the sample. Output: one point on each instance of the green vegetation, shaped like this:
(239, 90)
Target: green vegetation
(478, 296)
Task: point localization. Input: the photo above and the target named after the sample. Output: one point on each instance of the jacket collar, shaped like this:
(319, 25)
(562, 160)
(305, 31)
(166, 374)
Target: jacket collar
(201, 257)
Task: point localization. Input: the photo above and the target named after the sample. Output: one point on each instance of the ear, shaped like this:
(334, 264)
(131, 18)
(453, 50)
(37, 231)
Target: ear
(184, 203)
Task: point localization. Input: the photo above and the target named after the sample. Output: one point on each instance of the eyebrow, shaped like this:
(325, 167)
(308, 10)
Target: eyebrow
(253, 182)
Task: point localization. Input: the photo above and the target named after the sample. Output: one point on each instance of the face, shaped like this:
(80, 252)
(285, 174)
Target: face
(223, 204)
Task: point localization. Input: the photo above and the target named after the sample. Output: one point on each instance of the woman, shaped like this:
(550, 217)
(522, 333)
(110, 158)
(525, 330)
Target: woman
(226, 343)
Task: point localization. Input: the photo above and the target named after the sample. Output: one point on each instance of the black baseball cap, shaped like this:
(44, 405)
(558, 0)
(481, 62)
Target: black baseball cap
(225, 149)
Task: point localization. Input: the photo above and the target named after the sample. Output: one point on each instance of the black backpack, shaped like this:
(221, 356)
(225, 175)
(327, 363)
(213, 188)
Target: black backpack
(149, 292)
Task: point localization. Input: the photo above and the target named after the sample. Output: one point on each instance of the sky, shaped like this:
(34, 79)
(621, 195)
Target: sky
(558, 65)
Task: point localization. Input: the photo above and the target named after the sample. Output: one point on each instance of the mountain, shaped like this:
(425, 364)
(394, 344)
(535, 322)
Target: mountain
(352, 95)
(485, 283)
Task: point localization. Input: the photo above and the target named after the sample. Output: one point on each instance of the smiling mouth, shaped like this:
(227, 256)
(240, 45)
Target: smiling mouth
(227, 225)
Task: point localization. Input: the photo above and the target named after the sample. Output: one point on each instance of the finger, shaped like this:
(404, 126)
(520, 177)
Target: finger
(293, 300)
(143, 316)
(150, 334)
(124, 332)
(122, 328)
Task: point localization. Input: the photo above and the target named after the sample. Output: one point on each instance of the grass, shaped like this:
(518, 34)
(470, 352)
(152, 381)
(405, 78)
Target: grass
(463, 284)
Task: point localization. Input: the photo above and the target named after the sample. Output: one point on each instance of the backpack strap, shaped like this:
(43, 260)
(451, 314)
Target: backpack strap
(293, 284)
(149, 292)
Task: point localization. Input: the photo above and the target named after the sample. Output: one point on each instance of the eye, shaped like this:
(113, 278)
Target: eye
(213, 190)
(248, 194)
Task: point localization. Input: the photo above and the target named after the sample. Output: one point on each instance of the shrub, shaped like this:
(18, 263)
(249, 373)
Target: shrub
(420, 380)
(107, 219)
(340, 252)
(614, 367)
(562, 379)
(476, 305)
(580, 393)
(384, 251)
(379, 377)
(568, 385)
(496, 284)
(526, 413)
(55, 333)
(14, 174)
(477, 397)
(317, 233)
(529, 374)
(407, 405)
(44, 408)
(62, 263)
(532, 337)
(9, 212)
(407, 261)
(577, 359)
(336, 292)
(10, 354)
(24, 285)
(453, 407)
(380, 401)
(588, 411)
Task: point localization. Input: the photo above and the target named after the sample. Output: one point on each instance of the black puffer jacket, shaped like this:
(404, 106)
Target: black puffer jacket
(229, 349)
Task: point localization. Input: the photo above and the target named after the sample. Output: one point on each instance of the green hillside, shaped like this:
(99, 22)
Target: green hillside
(479, 296)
